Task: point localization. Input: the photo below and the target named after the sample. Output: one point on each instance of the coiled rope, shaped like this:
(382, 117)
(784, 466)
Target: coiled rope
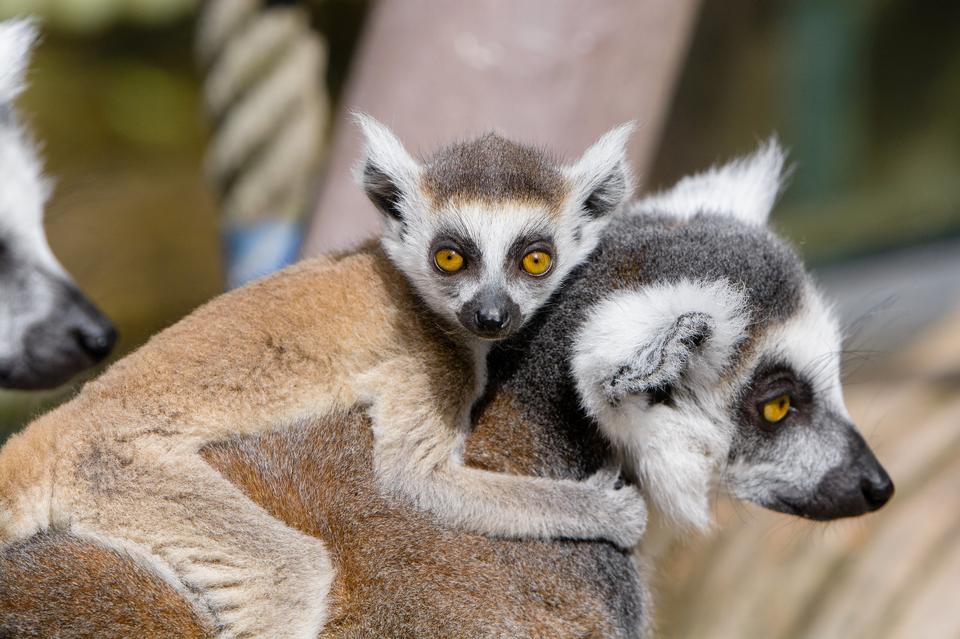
(264, 92)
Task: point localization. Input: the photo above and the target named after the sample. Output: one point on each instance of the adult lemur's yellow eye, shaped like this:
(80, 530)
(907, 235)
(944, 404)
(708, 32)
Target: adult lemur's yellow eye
(537, 262)
(776, 409)
(448, 260)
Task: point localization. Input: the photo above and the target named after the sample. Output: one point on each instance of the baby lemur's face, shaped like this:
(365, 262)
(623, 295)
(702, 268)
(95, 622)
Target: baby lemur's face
(486, 230)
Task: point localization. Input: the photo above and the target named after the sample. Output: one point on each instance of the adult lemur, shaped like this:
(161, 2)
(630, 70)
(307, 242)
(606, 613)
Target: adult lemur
(694, 336)
(485, 231)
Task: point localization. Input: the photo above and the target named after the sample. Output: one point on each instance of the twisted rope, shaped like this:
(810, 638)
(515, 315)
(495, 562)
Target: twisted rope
(264, 93)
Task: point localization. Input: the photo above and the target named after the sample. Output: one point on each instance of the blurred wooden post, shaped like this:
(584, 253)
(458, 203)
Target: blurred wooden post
(552, 72)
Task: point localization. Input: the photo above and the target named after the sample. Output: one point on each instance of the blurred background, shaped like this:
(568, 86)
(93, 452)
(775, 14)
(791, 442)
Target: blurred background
(866, 95)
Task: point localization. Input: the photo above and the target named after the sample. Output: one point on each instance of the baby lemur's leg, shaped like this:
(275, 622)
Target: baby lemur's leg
(417, 450)
(258, 577)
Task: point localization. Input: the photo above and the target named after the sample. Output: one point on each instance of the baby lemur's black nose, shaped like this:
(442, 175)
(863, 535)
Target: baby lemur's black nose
(491, 315)
(492, 319)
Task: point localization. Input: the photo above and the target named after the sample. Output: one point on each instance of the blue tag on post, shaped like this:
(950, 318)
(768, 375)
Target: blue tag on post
(260, 249)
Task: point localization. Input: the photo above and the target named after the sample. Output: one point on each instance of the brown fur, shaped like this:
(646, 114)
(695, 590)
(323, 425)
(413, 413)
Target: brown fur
(121, 460)
(56, 585)
(399, 573)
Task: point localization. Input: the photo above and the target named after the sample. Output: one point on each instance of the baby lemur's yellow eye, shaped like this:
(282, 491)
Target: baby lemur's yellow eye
(776, 409)
(448, 260)
(537, 262)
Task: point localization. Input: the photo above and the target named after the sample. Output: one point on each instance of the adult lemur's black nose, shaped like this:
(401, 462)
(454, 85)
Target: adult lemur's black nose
(877, 489)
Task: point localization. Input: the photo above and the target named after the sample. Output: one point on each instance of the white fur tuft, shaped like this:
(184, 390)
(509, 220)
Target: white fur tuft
(746, 188)
(673, 450)
(17, 38)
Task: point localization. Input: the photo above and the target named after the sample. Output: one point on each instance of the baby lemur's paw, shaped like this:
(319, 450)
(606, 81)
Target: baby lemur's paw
(622, 507)
(629, 515)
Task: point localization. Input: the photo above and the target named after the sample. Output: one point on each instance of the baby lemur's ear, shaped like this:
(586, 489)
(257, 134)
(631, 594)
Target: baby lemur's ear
(387, 173)
(17, 38)
(644, 342)
(601, 178)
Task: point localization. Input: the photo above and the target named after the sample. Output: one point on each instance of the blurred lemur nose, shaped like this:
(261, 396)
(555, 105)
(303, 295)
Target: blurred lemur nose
(96, 342)
(93, 331)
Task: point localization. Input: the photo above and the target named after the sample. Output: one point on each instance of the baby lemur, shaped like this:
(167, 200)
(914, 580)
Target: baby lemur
(484, 231)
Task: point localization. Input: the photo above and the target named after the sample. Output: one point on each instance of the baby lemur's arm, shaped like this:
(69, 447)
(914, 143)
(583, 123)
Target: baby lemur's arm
(417, 453)
(517, 506)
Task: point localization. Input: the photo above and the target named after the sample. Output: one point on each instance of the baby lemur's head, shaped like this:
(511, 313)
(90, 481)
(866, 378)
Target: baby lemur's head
(486, 230)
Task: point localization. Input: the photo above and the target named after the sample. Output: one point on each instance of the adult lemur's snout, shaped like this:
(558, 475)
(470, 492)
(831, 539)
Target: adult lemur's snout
(859, 486)
(48, 330)
(92, 331)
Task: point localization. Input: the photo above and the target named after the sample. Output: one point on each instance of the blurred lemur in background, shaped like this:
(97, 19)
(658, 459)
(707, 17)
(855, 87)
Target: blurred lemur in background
(49, 330)
(484, 231)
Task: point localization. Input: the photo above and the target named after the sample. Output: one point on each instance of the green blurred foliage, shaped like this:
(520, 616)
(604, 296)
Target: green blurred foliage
(114, 99)
(864, 94)
(90, 16)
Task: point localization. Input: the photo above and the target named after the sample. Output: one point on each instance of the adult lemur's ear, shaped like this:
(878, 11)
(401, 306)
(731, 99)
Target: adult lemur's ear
(643, 342)
(601, 178)
(746, 188)
(387, 173)
(17, 38)
(658, 365)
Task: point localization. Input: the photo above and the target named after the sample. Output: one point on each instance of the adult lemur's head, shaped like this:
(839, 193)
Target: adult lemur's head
(486, 230)
(714, 356)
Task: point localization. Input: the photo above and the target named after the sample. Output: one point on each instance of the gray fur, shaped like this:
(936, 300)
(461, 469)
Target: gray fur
(785, 469)
(638, 250)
